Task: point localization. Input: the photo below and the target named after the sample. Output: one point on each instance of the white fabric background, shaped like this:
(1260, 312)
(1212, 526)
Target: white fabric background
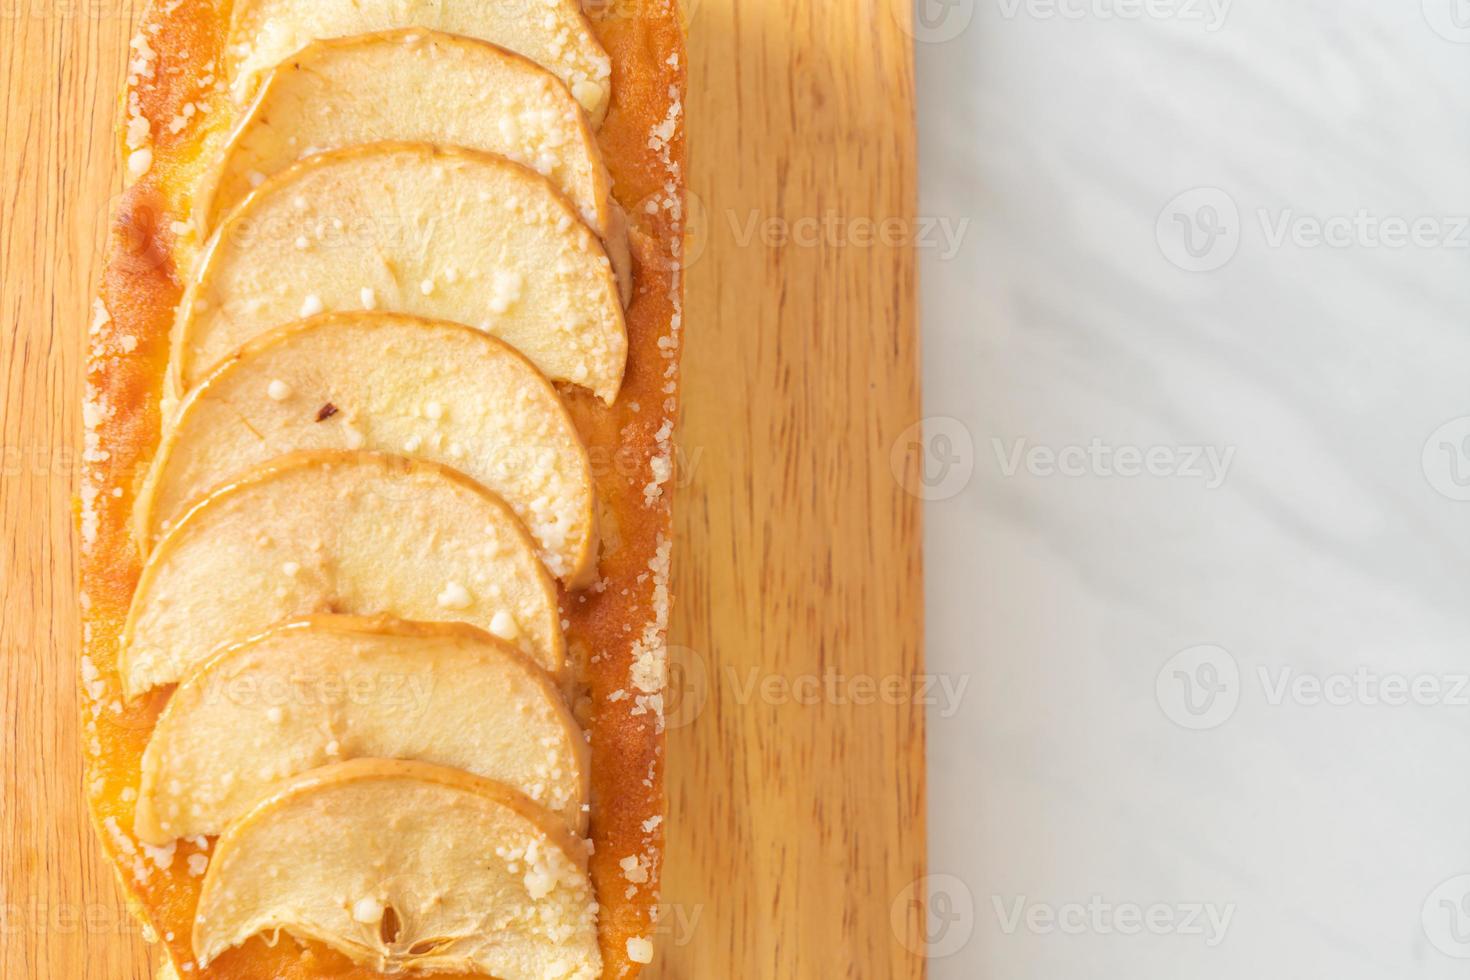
(1332, 544)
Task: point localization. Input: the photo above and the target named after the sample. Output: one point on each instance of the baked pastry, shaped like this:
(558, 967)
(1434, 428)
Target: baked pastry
(522, 907)
(374, 516)
(336, 531)
(345, 687)
(420, 87)
(430, 390)
(382, 226)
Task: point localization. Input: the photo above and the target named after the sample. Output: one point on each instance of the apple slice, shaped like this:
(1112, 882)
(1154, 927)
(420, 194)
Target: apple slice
(397, 384)
(406, 866)
(331, 688)
(414, 85)
(349, 532)
(439, 232)
(552, 33)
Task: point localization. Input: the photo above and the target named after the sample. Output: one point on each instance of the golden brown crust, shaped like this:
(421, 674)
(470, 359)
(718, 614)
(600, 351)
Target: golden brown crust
(616, 630)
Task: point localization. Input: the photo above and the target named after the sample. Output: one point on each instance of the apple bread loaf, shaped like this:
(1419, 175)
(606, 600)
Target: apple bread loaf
(375, 510)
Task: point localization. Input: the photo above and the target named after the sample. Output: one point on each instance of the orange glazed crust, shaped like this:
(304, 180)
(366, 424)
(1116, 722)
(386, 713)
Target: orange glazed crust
(175, 113)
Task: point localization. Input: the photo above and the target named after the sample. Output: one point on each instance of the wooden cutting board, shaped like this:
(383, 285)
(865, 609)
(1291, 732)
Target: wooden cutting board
(796, 764)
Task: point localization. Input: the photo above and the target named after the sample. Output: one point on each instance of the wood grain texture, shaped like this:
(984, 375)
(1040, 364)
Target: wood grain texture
(795, 827)
(796, 818)
(61, 66)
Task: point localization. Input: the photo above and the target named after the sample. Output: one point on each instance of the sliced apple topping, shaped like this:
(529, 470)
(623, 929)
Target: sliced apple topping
(332, 688)
(552, 33)
(406, 866)
(414, 85)
(396, 384)
(438, 232)
(340, 532)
